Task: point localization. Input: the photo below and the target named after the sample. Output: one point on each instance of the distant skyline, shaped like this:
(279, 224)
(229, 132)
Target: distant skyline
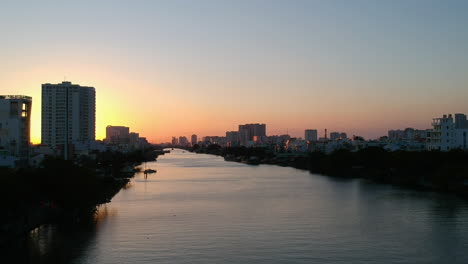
(171, 68)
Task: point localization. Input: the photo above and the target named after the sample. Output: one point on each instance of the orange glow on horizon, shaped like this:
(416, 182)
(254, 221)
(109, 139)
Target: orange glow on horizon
(168, 70)
(158, 109)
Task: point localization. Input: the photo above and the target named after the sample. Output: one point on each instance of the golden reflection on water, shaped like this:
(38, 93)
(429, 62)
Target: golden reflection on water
(201, 209)
(102, 213)
(128, 186)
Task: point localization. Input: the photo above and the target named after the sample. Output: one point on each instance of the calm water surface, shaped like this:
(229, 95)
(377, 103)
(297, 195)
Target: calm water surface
(201, 209)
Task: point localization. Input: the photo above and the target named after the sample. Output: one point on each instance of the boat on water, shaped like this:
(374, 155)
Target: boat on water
(147, 171)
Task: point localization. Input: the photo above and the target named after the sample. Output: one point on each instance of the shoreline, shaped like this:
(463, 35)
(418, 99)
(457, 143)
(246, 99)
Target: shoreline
(431, 171)
(63, 192)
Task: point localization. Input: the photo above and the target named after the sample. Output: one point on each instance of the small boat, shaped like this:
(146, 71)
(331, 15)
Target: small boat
(149, 171)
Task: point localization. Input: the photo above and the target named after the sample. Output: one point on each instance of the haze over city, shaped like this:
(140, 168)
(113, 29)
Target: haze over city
(203, 67)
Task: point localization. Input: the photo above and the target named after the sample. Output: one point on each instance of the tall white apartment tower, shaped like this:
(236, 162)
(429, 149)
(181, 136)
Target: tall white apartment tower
(68, 115)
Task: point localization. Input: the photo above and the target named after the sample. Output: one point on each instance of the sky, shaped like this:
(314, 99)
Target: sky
(171, 68)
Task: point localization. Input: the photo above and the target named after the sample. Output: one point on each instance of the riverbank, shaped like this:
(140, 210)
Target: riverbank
(440, 171)
(63, 191)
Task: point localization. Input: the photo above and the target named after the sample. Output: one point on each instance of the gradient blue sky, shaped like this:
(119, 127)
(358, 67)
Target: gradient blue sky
(180, 67)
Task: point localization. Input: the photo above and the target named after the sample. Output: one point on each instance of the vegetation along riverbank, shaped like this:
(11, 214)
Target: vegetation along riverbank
(434, 170)
(63, 191)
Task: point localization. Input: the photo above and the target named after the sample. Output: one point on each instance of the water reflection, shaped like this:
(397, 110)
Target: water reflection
(59, 243)
(128, 186)
(201, 209)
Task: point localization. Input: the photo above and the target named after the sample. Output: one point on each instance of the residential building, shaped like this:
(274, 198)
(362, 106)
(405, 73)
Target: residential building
(194, 139)
(15, 126)
(296, 145)
(460, 121)
(122, 139)
(214, 140)
(118, 135)
(183, 141)
(260, 140)
(408, 134)
(343, 136)
(447, 134)
(278, 142)
(232, 138)
(7, 160)
(310, 135)
(248, 131)
(68, 115)
(134, 139)
(334, 136)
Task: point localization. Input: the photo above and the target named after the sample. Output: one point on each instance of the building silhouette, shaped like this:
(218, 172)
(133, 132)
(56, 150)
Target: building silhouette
(15, 126)
(68, 116)
(247, 132)
(460, 121)
(194, 139)
(232, 138)
(117, 135)
(310, 135)
(183, 141)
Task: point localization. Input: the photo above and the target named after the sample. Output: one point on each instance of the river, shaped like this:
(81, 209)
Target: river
(201, 209)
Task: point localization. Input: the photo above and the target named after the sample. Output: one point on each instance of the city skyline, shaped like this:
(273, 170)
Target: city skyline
(175, 68)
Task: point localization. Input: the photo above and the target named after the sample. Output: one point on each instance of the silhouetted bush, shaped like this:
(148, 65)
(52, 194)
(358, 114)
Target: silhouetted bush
(438, 170)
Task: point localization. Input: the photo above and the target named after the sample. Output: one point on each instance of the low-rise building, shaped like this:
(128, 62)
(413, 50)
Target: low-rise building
(117, 135)
(232, 138)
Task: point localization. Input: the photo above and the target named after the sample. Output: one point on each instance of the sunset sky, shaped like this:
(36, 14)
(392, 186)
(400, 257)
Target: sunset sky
(170, 68)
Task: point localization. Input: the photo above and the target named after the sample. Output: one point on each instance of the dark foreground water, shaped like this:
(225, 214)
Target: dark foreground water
(201, 209)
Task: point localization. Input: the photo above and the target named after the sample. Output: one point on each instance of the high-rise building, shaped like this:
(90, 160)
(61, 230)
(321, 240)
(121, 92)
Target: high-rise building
(68, 115)
(310, 135)
(194, 139)
(175, 141)
(248, 131)
(117, 135)
(15, 125)
(460, 121)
